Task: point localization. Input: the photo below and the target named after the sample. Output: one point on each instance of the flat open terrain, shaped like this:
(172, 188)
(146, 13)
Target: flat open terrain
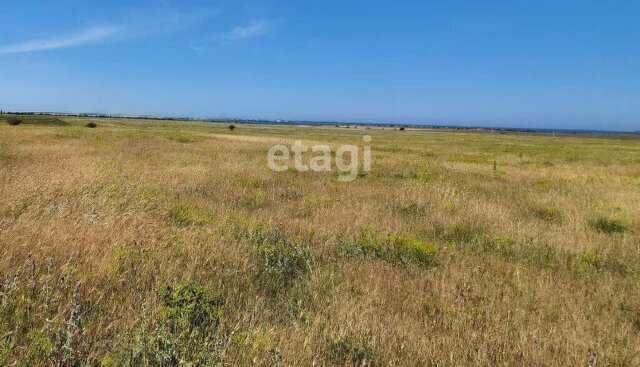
(154, 242)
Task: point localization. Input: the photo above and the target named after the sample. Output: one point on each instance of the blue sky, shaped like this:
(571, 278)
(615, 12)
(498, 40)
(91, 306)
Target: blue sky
(570, 64)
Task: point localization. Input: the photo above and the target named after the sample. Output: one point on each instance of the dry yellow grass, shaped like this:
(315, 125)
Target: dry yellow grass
(529, 270)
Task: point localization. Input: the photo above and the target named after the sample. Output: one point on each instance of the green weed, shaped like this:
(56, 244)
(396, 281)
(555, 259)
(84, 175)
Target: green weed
(353, 351)
(395, 249)
(608, 225)
(188, 307)
(412, 251)
(184, 333)
(279, 265)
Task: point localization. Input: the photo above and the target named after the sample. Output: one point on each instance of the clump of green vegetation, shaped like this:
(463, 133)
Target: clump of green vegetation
(186, 215)
(188, 307)
(353, 351)
(41, 347)
(547, 213)
(366, 245)
(232, 127)
(588, 262)
(608, 225)
(395, 249)
(33, 120)
(280, 265)
(91, 125)
(412, 251)
(185, 332)
(41, 316)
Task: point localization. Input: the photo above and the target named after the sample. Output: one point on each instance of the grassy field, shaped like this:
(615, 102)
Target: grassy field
(153, 243)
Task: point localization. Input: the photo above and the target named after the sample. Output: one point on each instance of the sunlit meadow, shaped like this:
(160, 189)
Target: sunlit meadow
(158, 243)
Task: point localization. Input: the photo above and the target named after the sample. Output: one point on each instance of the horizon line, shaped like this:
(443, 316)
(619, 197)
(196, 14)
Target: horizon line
(329, 122)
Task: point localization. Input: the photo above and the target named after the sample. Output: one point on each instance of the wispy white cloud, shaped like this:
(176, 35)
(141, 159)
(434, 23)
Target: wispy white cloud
(251, 30)
(254, 29)
(86, 37)
(135, 26)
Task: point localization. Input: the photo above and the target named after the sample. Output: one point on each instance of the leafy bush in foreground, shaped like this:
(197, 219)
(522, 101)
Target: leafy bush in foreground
(187, 308)
(184, 333)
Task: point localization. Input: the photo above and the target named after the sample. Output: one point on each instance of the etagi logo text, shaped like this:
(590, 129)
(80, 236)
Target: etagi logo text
(347, 158)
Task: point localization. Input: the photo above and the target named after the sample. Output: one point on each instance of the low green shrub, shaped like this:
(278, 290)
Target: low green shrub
(91, 125)
(41, 348)
(588, 262)
(412, 251)
(395, 249)
(608, 225)
(353, 351)
(13, 121)
(367, 245)
(184, 333)
(280, 265)
(187, 307)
